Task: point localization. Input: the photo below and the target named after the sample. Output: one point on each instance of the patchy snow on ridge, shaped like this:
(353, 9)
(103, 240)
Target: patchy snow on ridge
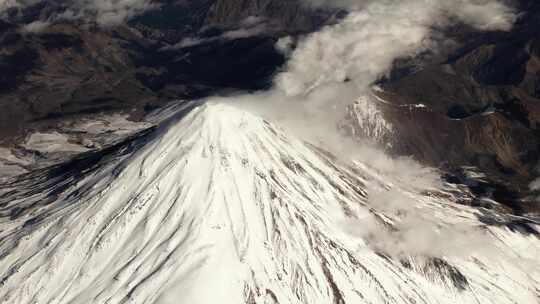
(224, 207)
(367, 121)
(69, 139)
(51, 142)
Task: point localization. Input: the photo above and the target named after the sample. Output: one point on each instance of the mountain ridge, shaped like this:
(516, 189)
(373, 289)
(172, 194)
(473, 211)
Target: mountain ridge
(79, 69)
(225, 194)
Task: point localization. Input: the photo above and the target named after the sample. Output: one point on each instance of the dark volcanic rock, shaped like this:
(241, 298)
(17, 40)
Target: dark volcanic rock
(482, 100)
(78, 67)
(482, 106)
(64, 71)
(288, 15)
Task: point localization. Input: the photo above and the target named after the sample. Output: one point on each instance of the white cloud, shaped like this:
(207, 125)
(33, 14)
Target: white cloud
(7, 4)
(245, 32)
(104, 12)
(110, 12)
(365, 44)
(35, 27)
(330, 69)
(249, 27)
(484, 14)
(535, 185)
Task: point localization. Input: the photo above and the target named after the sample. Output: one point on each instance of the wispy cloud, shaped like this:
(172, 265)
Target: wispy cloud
(7, 4)
(484, 14)
(251, 26)
(35, 27)
(330, 69)
(103, 12)
(367, 42)
(110, 12)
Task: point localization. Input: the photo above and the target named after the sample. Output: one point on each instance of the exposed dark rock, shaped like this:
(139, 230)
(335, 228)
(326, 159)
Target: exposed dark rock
(78, 67)
(482, 106)
(482, 98)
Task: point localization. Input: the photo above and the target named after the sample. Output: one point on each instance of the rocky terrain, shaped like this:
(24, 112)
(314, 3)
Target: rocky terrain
(481, 106)
(481, 99)
(222, 206)
(269, 151)
(77, 67)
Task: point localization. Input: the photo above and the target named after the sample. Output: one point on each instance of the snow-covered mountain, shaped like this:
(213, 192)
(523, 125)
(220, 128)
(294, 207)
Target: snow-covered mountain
(224, 207)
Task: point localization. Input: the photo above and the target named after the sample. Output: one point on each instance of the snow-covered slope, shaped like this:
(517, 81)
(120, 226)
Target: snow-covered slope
(223, 207)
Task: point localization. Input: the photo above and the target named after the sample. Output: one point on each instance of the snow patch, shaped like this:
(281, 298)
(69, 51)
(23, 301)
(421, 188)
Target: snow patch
(369, 122)
(51, 142)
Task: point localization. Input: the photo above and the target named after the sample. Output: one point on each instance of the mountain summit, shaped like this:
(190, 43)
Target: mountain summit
(64, 61)
(224, 207)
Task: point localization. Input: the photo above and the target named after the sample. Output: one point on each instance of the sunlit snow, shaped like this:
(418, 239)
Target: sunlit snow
(224, 207)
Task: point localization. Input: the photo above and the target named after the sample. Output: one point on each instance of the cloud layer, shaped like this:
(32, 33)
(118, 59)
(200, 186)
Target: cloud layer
(366, 43)
(485, 14)
(330, 69)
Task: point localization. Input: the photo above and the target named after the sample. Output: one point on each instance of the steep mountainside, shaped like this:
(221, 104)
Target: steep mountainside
(225, 207)
(479, 106)
(480, 102)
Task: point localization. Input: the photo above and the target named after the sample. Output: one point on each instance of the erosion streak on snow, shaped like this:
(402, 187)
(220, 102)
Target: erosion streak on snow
(224, 207)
